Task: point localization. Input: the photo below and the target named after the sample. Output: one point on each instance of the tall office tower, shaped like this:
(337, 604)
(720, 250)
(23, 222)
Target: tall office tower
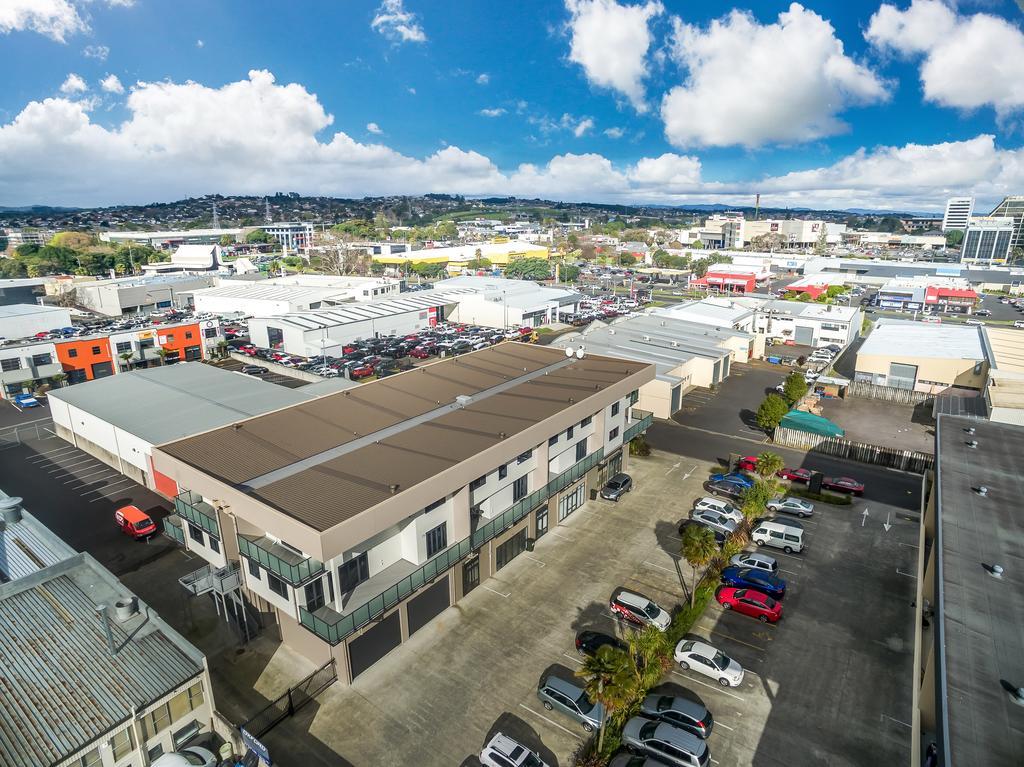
(1012, 207)
(958, 213)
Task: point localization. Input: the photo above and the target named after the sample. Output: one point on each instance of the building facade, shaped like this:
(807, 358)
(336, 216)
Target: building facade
(958, 213)
(988, 240)
(354, 520)
(139, 295)
(1012, 207)
(292, 235)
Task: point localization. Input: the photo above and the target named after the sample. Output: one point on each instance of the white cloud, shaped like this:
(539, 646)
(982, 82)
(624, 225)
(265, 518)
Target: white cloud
(615, 132)
(98, 52)
(373, 128)
(111, 84)
(412, 91)
(120, 3)
(269, 134)
(200, 44)
(968, 61)
(73, 84)
(56, 19)
(751, 84)
(483, 78)
(398, 24)
(610, 41)
(495, 112)
(583, 127)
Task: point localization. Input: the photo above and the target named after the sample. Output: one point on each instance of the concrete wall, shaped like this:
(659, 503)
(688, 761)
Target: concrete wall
(40, 319)
(934, 374)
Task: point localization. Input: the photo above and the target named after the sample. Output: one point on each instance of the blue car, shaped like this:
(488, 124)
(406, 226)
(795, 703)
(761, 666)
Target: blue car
(749, 578)
(25, 400)
(735, 477)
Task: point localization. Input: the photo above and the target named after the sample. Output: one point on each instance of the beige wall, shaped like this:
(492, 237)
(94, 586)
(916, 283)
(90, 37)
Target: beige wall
(952, 372)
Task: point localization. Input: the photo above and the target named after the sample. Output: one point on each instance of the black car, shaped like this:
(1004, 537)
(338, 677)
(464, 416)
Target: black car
(687, 714)
(589, 642)
(725, 489)
(254, 370)
(616, 487)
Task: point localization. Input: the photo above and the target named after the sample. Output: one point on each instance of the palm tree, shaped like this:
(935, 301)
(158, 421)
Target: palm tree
(649, 650)
(698, 549)
(162, 354)
(222, 348)
(126, 357)
(59, 378)
(769, 464)
(607, 675)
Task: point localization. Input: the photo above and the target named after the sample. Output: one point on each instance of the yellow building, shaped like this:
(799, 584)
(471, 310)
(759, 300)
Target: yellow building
(499, 253)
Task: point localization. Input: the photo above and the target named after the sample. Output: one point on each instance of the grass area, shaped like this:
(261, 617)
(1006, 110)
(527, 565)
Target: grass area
(543, 331)
(836, 499)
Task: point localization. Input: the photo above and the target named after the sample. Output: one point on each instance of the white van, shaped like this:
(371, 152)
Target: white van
(780, 534)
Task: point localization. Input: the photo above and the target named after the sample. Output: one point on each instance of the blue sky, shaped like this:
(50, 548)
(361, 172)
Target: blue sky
(846, 104)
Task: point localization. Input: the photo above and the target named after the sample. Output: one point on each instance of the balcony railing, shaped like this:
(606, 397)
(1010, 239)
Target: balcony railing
(641, 421)
(279, 560)
(334, 627)
(172, 528)
(192, 507)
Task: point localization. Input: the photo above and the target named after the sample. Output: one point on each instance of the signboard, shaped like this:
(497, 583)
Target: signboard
(147, 334)
(256, 747)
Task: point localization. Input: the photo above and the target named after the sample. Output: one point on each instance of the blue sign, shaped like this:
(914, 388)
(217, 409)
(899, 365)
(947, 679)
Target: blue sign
(258, 748)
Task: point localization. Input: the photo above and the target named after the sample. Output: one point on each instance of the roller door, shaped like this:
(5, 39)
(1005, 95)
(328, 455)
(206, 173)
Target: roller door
(428, 604)
(374, 644)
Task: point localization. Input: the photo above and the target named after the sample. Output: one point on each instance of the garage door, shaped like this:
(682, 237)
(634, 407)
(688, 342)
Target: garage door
(804, 335)
(102, 369)
(374, 644)
(428, 604)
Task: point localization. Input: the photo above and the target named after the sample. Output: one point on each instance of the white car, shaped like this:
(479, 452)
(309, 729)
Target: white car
(714, 520)
(755, 561)
(193, 756)
(786, 505)
(811, 376)
(502, 751)
(1018, 323)
(723, 508)
(710, 661)
(974, 322)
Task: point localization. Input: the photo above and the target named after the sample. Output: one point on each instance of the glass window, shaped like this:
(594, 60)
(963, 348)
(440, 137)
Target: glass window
(434, 505)
(552, 441)
(569, 432)
(41, 359)
(586, 422)
(581, 450)
(91, 759)
(156, 721)
(519, 488)
(277, 585)
(214, 544)
(72, 352)
(254, 568)
(178, 706)
(95, 350)
(13, 363)
(123, 347)
(188, 334)
(524, 457)
(195, 533)
(503, 471)
(477, 483)
(437, 539)
(613, 433)
(209, 333)
(615, 409)
(122, 744)
(314, 593)
(156, 752)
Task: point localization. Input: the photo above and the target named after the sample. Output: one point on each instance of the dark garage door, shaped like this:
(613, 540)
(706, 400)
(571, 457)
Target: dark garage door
(428, 604)
(374, 644)
(102, 369)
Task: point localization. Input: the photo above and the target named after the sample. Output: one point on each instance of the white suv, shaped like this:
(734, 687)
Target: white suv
(502, 751)
(723, 508)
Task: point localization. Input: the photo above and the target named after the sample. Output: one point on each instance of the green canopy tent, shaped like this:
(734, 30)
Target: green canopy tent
(814, 424)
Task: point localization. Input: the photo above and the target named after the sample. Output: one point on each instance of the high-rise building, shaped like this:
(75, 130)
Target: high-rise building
(1013, 207)
(988, 239)
(958, 213)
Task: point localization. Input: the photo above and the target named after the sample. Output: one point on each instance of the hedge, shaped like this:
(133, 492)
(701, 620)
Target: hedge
(826, 497)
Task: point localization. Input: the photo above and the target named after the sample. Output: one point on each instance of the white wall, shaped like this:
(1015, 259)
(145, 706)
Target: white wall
(40, 320)
(562, 455)
(611, 422)
(495, 495)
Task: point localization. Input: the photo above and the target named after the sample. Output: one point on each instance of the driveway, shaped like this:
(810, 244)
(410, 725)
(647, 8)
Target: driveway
(731, 408)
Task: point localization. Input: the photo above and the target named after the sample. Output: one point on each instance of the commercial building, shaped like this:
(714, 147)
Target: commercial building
(814, 285)
(187, 258)
(458, 257)
(92, 675)
(500, 303)
(283, 295)
(1012, 207)
(921, 357)
(790, 233)
(946, 295)
(134, 295)
(1004, 392)
(19, 237)
(716, 312)
(732, 278)
(25, 320)
(166, 240)
(958, 213)
(24, 367)
(968, 646)
(685, 354)
(23, 290)
(356, 518)
(988, 240)
(878, 272)
(119, 419)
(292, 235)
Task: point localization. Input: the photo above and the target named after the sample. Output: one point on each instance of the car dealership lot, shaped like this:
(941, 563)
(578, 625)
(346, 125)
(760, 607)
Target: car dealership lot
(828, 685)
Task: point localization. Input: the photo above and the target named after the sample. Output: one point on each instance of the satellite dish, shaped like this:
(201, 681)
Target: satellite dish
(580, 352)
(569, 351)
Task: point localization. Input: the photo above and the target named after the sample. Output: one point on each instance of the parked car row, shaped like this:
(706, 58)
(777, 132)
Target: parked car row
(796, 474)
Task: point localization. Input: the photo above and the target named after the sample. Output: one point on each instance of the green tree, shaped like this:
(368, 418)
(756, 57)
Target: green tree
(528, 269)
(954, 237)
(258, 237)
(227, 239)
(821, 245)
(162, 354)
(627, 259)
(772, 411)
(804, 297)
(478, 262)
(34, 270)
(569, 272)
(605, 673)
(769, 464)
(1016, 256)
(698, 549)
(794, 388)
(699, 267)
(649, 650)
(126, 358)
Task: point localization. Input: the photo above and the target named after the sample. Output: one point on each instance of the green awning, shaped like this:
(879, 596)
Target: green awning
(814, 424)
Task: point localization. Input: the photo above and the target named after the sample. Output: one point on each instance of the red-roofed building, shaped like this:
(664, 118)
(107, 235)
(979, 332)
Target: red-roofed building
(728, 278)
(950, 299)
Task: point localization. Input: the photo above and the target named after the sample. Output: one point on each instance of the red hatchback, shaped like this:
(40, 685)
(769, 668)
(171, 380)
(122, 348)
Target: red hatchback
(750, 602)
(361, 371)
(796, 475)
(843, 485)
(747, 463)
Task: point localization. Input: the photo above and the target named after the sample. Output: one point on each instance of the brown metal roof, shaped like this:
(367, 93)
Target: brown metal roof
(340, 487)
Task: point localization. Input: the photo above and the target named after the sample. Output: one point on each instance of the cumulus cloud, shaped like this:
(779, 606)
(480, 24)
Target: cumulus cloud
(751, 84)
(397, 24)
(483, 78)
(98, 52)
(610, 41)
(495, 112)
(268, 134)
(56, 19)
(615, 132)
(373, 128)
(111, 84)
(73, 84)
(967, 61)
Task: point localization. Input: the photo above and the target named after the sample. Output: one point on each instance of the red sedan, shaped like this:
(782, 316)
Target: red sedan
(796, 475)
(750, 602)
(747, 463)
(843, 485)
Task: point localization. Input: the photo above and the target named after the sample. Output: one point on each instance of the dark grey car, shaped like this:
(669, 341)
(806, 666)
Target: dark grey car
(665, 742)
(616, 487)
(682, 712)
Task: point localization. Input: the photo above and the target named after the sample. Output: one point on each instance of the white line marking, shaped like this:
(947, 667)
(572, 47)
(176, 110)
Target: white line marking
(690, 472)
(666, 569)
(555, 724)
(503, 596)
(908, 545)
(104, 470)
(573, 658)
(886, 716)
(718, 687)
(718, 723)
(40, 457)
(563, 537)
(534, 559)
(908, 575)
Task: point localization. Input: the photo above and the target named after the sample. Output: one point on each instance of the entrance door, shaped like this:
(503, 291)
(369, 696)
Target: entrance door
(315, 595)
(470, 575)
(542, 521)
(571, 501)
(614, 465)
(510, 549)
(353, 572)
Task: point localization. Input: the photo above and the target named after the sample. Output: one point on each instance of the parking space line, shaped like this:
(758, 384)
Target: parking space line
(716, 632)
(718, 687)
(558, 535)
(718, 723)
(40, 457)
(527, 556)
(573, 658)
(907, 575)
(886, 716)
(100, 470)
(555, 724)
(503, 596)
(660, 567)
(69, 464)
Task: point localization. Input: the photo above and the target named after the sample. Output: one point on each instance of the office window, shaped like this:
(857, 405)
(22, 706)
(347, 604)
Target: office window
(552, 441)
(524, 457)
(92, 759)
(12, 363)
(146, 343)
(96, 350)
(435, 505)
(72, 352)
(568, 433)
(122, 744)
(615, 409)
(155, 752)
(156, 721)
(195, 533)
(254, 568)
(586, 422)
(581, 450)
(169, 338)
(42, 359)
(437, 539)
(519, 489)
(613, 433)
(210, 333)
(123, 347)
(477, 483)
(188, 334)
(503, 471)
(163, 304)
(277, 585)
(214, 544)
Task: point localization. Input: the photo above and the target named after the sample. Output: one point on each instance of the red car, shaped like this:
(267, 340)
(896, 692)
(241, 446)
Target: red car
(796, 475)
(747, 463)
(843, 485)
(361, 371)
(750, 602)
(423, 352)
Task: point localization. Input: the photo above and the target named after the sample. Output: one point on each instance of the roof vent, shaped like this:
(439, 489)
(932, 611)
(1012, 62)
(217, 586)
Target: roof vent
(611, 331)
(10, 509)
(502, 435)
(969, 430)
(1016, 693)
(982, 491)
(973, 444)
(393, 489)
(126, 608)
(461, 400)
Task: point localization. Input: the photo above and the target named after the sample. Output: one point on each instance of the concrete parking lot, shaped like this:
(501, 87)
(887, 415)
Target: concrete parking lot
(731, 409)
(271, 376)
(828, 685)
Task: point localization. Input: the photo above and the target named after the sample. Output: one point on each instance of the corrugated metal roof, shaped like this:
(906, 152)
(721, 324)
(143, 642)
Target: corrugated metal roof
(61, 688)
(905, 338)
(27, 547)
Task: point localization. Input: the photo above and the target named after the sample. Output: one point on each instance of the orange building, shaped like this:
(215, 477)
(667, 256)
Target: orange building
(86, 359)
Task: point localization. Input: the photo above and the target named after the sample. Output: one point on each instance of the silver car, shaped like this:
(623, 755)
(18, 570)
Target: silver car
(665, 743)
(714, 520)
(753, 559)
(787, 505)
(570, 698)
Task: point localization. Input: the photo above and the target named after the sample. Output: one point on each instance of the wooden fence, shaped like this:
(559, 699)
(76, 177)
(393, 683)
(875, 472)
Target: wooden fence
(887, 393)
(890, 457)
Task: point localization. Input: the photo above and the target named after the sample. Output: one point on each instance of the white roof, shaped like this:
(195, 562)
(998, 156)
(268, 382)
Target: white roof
(905, 338)
(261, 291)
(22, 310)
(468, 252)
(204, 256)
(710, 311)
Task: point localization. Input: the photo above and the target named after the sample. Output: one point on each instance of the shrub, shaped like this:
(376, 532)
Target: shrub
(772, 411)
(639, 446)
(836, 499)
